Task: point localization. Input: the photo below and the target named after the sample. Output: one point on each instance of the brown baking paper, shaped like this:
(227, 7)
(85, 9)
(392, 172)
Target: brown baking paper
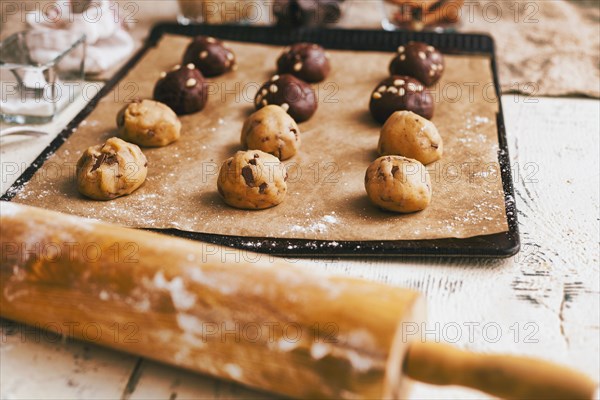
(326, 196)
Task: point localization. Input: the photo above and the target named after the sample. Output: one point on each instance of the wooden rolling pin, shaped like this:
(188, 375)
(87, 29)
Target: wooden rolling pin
(238, 315)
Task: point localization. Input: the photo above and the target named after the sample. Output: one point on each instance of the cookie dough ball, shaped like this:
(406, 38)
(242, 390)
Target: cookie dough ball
(398, 93)
(113, 169)
(295, 96)
(419, 60)
(148, 123)
(295, 13)
(306, 61)
(210, 56)
(410, 135)
(398, 184)
(183, 89)
(273, 131)
(252, 180)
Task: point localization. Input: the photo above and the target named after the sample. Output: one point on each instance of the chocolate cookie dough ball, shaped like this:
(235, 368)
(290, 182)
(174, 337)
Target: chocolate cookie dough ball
(294, 13)
(306, 61)
(398, 184)
(148, 123)
(210, 56)
(183, 89)
(419, 60)
(273, 131)
(113, 169)
(398, 93)
(295, 96)
(410, 135)
(252, 180)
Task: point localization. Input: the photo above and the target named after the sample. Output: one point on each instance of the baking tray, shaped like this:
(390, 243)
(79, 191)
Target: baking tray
(504, 244)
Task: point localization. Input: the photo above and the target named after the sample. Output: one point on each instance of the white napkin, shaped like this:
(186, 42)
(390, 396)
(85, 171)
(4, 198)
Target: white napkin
(107, 41)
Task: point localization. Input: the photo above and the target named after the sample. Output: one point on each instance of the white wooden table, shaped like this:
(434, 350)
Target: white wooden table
(545, 302)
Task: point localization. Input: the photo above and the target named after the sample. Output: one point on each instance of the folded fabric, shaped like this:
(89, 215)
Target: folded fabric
(107, 41)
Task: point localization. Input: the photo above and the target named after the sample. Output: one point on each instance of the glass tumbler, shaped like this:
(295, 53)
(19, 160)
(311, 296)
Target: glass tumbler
(41, 72)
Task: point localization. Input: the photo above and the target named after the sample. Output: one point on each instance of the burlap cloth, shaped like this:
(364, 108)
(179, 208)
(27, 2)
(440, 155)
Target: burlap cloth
(544, 47)
(559, 54)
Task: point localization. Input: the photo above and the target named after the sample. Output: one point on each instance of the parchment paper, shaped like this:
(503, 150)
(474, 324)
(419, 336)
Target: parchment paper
(326, 198)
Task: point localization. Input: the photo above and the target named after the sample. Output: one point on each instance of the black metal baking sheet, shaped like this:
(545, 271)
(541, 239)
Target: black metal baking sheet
(504, 244)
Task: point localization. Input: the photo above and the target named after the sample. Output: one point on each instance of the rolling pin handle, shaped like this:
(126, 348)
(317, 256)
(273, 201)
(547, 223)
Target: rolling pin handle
(504, 376)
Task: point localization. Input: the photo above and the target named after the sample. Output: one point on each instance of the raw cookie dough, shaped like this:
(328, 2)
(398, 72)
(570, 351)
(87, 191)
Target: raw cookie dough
(210, 56)
(113, 169)
(295, 96)
(183, 89)
(410, 135)
(252, 180)
(398, 184)
(148, 123)
(273, 131)
(306, 61)
(399, 92)
(310, 13)
(418, 60)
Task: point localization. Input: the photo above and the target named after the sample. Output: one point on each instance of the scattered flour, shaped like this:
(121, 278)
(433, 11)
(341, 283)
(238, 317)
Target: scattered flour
(359, 362)
(286, 345)
(234, 371)
(212, 281)
(320, 226)
(190, 323)
(319, 350)
(182, 299)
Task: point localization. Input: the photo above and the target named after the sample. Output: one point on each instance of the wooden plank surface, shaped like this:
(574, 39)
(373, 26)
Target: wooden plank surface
(543, 302)
(36, 364)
